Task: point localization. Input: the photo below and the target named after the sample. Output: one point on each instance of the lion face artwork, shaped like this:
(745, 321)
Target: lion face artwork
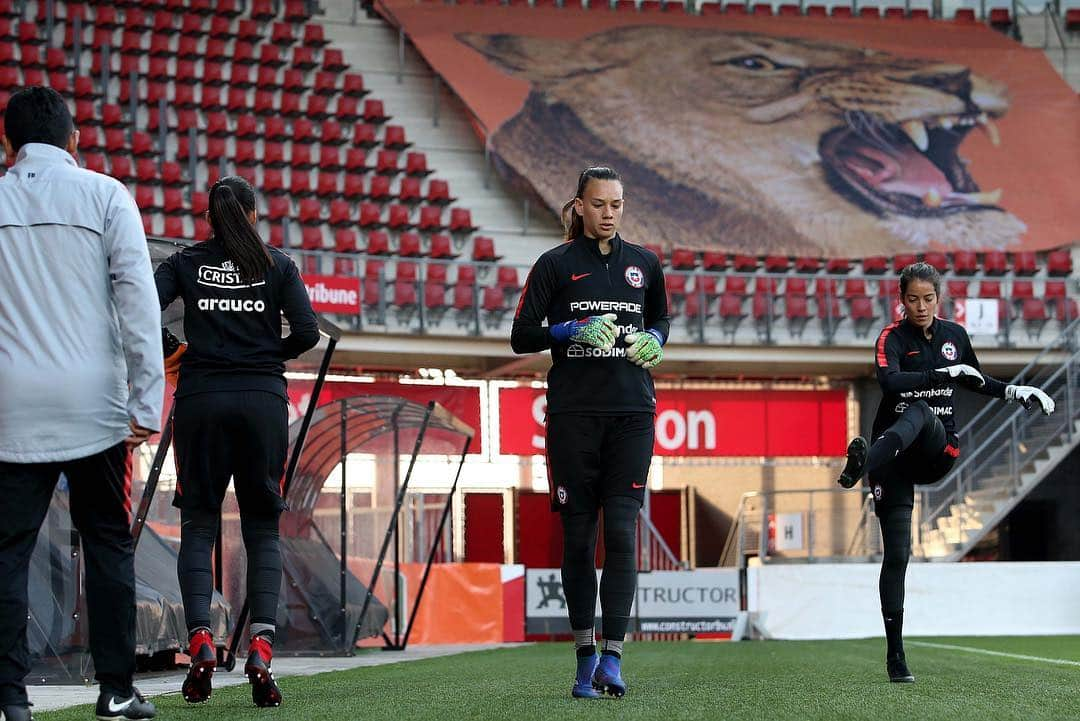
(752, 143)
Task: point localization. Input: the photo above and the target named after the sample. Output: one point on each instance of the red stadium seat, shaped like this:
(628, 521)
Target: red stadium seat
(436, 273)
(807, 265)
(300, 156)
(761, 9)
(409, 245)
(712, 260)
(956, 289)
(938, 260)
(461, 221)
(841, 11)
(273, 155)
(484, 250)
(340, 213)
(314, 37)
(869, 11)
(1033, 312)
(273, 182)
(735, 284)
(965, 262)
(386, 163)
(121, 168)
(409, 190)
(309, 212)
(300, 183)
(288, 103)
(270, 55)
(463, 297)
(836, 266)
(989, 289)
(398, 217)
(416, 164)
(683, 259)
(744, 263)
(895, 13)
(394, 138)
(1059, 263)
(334, 61)
(1024, 263)
(1055, 290)
(1067, 310)
(303, 131)
(777, 264)
(875, 264)
(374, 113)
(430, 219)
(1072, 19)
(303, 58)
(174, 228)
(378, 243)
(816, 11)
(353, 187)
(441, 247)
(735, 9)
(263, 10)
(345, 241)
(370, 215)
(900, 261)
(93, 161)
(964, 15)
(994, 262)
(352, 85)
(919, 14)
(439, 193)
(278, 208)
(282, 34)
(1000, 18)
(1022, 289)
(406, 271)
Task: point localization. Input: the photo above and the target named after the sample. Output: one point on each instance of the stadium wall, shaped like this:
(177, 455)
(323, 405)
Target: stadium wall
(832, 601)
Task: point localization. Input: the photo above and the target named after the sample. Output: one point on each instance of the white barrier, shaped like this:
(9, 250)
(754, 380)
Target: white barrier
(818, 601)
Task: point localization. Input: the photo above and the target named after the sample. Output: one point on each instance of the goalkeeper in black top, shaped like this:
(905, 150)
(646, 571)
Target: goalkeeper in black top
(605, 307)
(231, 417)
(920, 361)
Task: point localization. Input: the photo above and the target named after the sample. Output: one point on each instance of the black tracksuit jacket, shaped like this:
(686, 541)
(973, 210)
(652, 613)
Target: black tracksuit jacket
(573, 281)
(905, 362)
(233, 328)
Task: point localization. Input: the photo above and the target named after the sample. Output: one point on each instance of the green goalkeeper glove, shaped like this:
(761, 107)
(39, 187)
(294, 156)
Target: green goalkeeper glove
(646, 349)
(598, 331)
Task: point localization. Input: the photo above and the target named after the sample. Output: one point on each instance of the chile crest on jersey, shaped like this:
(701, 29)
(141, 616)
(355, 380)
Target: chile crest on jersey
(948, 349)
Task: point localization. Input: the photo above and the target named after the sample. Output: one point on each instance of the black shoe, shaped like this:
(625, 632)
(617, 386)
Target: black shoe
(264, 689)
(898, 670)
(16, 712)
(198, 685)
(110, 706)
(856, 461)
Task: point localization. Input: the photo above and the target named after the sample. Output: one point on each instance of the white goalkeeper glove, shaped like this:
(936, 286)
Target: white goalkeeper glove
(1027, 395)
(964, 373)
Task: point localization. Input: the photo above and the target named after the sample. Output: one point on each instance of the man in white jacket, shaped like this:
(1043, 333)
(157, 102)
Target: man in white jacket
(81, 385)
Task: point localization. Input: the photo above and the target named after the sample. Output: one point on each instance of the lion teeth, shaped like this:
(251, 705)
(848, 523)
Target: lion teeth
(916, 130)
(991, 129)
(986, 197)
(932, 199)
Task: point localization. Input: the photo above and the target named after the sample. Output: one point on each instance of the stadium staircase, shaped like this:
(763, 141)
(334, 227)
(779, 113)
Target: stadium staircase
(1007, 452)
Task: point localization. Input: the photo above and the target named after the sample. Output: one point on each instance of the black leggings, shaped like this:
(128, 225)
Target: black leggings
(896, 537)
(198, 532)
(618, 583)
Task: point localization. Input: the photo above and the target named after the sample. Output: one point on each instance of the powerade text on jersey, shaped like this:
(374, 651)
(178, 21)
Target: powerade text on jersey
(575, 280)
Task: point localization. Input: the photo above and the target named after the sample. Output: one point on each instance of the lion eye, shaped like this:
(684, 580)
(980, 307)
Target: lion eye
(753, 62)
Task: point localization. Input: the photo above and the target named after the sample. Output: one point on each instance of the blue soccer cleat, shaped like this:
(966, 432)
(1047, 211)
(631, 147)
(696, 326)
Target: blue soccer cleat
(583, 682)
(608, 676)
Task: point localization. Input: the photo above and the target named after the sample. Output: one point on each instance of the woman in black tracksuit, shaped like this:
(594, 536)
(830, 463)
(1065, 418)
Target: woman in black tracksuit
(919, 360)
(231, 416)
(605, 306)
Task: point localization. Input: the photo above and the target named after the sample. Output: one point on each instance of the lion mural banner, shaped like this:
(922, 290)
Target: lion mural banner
(772, 135)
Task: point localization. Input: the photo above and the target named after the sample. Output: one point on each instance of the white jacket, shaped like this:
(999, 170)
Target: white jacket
(79, 319)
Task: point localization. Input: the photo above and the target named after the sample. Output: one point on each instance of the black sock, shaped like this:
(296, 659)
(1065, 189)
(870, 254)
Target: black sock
(894, 632)
(618, 583)
(586, 651)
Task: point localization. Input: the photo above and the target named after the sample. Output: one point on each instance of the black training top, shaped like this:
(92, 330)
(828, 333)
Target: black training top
(573, 281)
(905, 360)
(233, 328)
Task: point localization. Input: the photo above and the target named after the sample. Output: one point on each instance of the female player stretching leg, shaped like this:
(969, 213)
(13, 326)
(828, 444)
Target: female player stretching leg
(606, 310)
(231, 417)
(919, 360)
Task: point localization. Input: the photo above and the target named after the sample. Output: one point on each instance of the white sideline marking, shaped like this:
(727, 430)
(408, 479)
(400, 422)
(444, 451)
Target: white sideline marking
(971, 649)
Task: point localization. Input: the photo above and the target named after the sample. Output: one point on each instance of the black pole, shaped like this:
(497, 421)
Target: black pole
(391, 530)
(152, 480)
(435, 545)
(397, 535)
(344, 527)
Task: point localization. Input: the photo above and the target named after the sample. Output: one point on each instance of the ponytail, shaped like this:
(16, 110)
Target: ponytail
(232, 199)
(573, 223)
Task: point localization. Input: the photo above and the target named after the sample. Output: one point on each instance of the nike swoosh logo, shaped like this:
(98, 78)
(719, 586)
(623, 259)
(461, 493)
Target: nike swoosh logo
(637, 486)
(113, 708)
(579, 277)
(913, 352)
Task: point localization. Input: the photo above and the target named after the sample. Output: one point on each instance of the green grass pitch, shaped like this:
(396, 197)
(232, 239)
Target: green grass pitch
(749, 680)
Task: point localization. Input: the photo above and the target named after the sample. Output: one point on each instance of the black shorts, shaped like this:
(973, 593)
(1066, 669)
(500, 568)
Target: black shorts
(592, 458)
(243, 435)
(927, 460)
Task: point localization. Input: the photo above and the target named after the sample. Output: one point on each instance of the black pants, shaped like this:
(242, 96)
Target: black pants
(599, 463)
(927, 452)
(100, 511)
(241, 435)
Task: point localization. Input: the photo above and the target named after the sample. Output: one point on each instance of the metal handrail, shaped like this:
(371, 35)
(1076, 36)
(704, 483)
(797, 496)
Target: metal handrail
(656, 540)
(1014, 421)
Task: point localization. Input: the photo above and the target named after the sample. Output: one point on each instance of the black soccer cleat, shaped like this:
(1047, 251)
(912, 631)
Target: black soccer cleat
(16, 712)
(198, 685)
(110, 706)
(898, 670)
(856, 462)
(264, 689)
